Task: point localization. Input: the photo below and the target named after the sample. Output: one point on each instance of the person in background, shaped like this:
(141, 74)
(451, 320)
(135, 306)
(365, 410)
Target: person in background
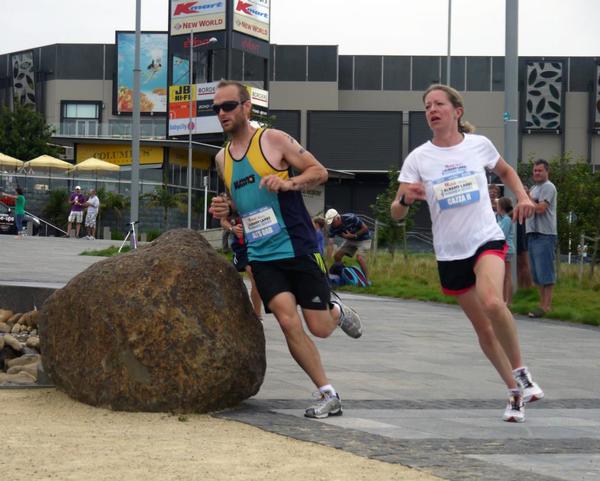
(238, 246)
(495, 194)
(91, 215)
(19, 210)
(356, 235)
(504, 210)
(77, 202)
(319, 224)
(542, 236)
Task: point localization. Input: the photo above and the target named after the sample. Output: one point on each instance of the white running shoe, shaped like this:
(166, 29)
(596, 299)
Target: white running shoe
(529, 390)
(349, 320)
(515, 410)
(327, 405)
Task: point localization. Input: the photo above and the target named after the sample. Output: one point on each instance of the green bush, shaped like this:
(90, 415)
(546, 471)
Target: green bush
(153, 234)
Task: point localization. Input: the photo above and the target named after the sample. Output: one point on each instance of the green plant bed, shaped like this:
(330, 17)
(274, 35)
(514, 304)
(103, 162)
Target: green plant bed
(416, 278)
(108, 252)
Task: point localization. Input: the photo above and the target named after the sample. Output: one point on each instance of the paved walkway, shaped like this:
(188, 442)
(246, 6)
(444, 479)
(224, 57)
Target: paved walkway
(416, 388)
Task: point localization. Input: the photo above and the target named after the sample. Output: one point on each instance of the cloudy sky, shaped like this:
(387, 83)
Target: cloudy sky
(391, 27)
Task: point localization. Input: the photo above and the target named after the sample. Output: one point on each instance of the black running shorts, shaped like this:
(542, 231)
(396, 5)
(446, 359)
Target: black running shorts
(457, 277)
(305, 277)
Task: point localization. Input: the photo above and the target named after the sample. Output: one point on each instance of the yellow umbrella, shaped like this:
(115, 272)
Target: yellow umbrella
(94, 164)
(8, 161)
(48, 162)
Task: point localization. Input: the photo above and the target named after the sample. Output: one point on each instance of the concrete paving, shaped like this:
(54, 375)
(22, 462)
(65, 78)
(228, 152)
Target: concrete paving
(416, 388)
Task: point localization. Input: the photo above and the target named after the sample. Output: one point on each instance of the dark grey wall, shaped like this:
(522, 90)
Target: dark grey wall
(351, 140)
(288, 121)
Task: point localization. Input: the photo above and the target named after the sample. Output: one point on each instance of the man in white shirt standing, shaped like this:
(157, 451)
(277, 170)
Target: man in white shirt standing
(93, 206)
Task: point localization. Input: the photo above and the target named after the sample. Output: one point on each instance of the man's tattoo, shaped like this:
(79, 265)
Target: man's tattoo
(302, 150)
(292, 140)
(305, 184)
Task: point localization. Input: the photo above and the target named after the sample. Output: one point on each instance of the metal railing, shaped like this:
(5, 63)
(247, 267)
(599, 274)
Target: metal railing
(47, 224)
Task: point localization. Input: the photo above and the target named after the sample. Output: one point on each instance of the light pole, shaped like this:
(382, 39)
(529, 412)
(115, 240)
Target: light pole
(449, 42)
(511, 97)
(190, 129)
(135, 128)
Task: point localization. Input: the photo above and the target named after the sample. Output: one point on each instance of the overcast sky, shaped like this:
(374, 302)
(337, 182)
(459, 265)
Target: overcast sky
(361, 27)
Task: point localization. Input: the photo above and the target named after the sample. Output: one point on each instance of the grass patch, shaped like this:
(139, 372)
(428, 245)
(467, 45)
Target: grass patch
(108, 252)
(416, 278)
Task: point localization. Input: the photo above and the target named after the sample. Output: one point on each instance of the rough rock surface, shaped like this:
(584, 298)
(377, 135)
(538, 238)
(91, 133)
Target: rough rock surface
(168, 327)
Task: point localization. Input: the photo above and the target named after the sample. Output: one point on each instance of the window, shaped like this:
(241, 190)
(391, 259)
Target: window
(322, 64)
(479, 73)
(80, 118)
(367, 72)
(81, 111)
(396, 73)
(290, 63)
(345, 69)
(425, 71)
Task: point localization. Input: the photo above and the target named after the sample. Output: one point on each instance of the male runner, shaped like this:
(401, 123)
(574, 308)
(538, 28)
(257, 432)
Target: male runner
(282, 248)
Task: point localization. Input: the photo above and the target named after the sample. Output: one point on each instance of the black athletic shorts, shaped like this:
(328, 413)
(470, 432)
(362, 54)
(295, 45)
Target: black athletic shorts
(457, 277)
(240, 258)
(305, 277)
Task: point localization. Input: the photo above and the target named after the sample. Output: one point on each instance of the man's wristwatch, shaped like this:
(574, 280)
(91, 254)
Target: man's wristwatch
(402, 201)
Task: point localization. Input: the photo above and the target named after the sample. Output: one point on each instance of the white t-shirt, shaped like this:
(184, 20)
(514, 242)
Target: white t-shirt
(94, 205)
(457, 194)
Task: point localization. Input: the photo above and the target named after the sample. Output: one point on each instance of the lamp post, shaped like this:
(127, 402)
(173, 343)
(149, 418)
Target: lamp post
(511, 97)
(135, 128)
(448, 57)
(190, 129)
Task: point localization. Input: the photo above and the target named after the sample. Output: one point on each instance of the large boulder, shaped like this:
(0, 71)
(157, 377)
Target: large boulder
(167, 327)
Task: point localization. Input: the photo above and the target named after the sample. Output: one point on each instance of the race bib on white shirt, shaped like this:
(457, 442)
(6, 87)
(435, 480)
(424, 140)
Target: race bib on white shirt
(260, 224)
(457, 190)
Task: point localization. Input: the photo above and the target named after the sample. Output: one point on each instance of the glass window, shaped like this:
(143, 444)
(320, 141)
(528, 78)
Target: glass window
(367, 72)
(218, 65)
(272, 63)
(345, 72)
(200, 66)
(396, 73)
(80, 111)
(498, 74)
(425, 71)
(237, 64)
(290, 63)
(322, 64)
(67, 127)
(582, 71)
(457, 72)
(254, 67)
(119, 127)
(479, 73)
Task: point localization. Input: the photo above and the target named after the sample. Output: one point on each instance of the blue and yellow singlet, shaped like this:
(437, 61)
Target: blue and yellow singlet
(276, 224)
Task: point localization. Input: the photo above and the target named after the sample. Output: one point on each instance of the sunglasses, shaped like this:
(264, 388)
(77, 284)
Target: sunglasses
(227, 106)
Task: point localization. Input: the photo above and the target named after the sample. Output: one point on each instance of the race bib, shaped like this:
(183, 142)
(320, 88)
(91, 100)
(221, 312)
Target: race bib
(456, 190)
(260, 224)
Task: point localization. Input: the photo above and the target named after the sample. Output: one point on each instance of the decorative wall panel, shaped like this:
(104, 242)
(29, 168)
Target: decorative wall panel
(544, 96)
(23, 76)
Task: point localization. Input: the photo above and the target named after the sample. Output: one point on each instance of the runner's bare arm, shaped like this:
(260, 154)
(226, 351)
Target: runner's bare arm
(312, 172)
(525, 207)
(406, 195)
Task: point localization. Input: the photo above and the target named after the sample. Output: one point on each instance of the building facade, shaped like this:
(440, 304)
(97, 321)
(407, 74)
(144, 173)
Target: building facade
(358, 114)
